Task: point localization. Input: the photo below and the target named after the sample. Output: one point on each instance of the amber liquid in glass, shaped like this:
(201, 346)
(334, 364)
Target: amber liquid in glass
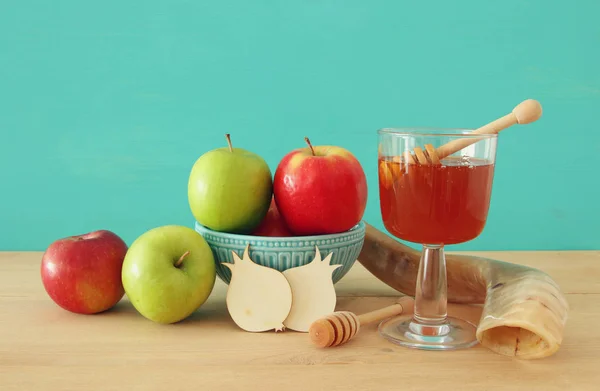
(435, 204)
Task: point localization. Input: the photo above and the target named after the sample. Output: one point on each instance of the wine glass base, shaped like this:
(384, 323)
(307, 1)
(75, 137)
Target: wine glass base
(405, 331)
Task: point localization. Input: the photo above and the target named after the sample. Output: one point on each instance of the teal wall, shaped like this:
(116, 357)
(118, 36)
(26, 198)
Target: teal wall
(104, 106)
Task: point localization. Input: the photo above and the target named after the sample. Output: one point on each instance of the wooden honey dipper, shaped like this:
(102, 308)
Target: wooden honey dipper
(524, 113)
(339, 327)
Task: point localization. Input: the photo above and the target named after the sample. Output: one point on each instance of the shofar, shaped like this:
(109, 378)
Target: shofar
(524, 311)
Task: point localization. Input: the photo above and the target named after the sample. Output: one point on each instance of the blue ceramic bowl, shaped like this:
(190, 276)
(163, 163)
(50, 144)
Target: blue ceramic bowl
(283, 253)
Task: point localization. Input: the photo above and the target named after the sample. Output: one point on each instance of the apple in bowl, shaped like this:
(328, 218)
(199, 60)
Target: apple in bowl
(272, 224)
(230, 189)
(320, 190)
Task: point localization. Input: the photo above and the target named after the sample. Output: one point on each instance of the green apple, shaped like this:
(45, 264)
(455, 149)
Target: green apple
(230, 189)
(168, 273)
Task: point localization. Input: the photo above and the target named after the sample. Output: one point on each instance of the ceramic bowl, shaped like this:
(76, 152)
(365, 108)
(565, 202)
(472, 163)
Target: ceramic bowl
(283, 253)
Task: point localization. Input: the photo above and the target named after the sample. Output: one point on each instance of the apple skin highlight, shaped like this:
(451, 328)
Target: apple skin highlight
(82, 273)
(320, 190)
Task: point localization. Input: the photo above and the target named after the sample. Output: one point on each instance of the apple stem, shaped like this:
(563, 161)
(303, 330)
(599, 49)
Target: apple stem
(309, 145)
(228, 137)
(180, 260)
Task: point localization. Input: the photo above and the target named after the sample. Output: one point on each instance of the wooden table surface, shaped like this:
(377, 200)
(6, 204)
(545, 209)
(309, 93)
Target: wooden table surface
(43, 347)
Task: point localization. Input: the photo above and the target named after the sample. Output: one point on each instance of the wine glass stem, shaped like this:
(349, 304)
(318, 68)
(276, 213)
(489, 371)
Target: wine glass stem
(431, 292)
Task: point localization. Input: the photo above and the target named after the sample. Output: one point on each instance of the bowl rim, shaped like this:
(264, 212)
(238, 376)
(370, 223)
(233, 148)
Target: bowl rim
(361, 226)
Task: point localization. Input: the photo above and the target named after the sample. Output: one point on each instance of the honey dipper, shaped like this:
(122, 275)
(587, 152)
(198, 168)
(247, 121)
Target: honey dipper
(524, 113)
(339, 327)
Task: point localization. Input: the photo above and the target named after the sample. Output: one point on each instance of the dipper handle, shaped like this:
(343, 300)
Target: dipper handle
(528, 111)
(339, 327)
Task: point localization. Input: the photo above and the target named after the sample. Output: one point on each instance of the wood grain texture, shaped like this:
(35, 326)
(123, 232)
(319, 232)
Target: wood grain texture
(45, 348)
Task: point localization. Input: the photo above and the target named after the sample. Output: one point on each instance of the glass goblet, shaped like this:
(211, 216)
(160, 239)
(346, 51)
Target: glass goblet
(434, 204)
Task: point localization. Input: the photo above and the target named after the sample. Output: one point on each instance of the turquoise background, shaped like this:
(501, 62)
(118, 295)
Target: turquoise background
(106, 105)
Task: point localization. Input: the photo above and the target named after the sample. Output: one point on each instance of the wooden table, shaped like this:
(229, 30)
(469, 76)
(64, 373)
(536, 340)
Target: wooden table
(43, 347)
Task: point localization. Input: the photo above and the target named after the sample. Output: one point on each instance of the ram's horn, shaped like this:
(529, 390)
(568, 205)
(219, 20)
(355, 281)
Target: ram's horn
(524, 311)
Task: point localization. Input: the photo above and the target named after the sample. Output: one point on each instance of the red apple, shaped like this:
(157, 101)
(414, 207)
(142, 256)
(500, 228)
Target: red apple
(273, 224)
(82, 273)
(320, 190)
